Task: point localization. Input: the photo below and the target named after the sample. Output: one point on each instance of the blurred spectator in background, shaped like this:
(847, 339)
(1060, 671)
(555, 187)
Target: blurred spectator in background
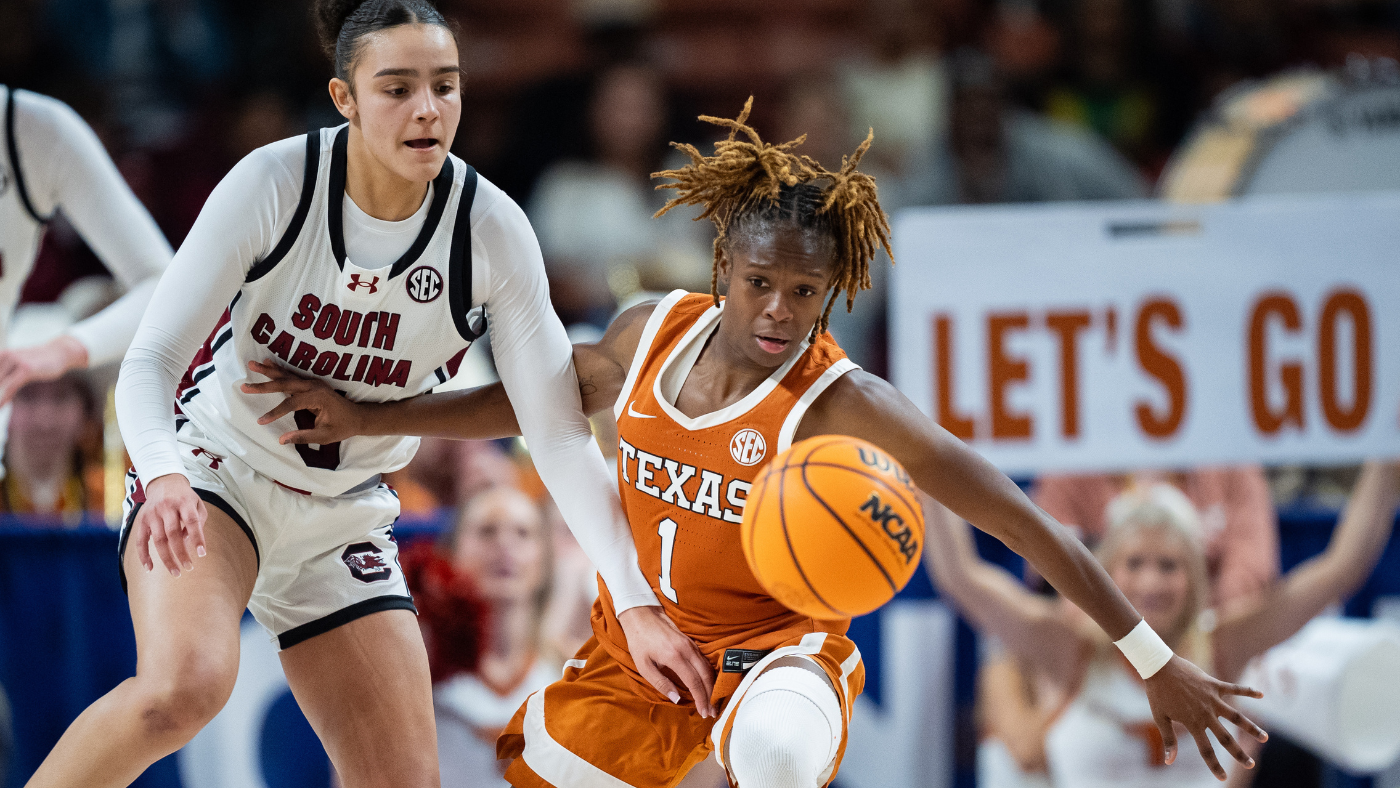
(500, 541)
(180, 175)
(593, 217)
(1238, 521)
(53, 451)
(997, 153)
(567, 622)
(152, 58)
(1102, 732)
(546, 120)
(1238, 530)
(48, 469)
(898, 86)
(1104, 88)
(1027, 49)
(448, 473)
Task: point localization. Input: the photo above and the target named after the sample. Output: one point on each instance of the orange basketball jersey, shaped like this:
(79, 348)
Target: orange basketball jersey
(684, 482)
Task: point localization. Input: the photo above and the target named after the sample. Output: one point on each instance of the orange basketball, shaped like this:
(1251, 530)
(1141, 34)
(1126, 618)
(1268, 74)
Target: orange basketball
(833, 527)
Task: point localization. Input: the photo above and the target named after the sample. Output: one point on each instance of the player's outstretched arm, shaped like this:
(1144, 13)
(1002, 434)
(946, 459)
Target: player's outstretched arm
(481, 413)
(1356, 545)
(997, 603)
(864, 406)
(67, 169)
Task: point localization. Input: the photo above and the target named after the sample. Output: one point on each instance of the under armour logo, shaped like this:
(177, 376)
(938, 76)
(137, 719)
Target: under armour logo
(214, 459)
(355, 284)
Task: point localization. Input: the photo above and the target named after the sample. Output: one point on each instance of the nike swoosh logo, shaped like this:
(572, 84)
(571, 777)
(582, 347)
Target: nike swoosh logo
(635, 414)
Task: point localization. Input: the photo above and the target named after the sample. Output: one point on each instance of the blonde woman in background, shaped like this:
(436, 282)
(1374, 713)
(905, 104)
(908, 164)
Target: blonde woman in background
(1103, 733)
(501, 542)
(1239, 533)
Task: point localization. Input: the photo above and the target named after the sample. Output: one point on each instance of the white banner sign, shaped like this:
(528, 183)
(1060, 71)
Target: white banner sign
(1127, 335)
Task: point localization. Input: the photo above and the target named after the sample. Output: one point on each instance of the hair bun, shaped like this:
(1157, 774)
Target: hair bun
(341, 24)
(330, 17)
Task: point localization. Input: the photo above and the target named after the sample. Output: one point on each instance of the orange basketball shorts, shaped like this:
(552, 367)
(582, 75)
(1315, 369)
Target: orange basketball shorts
(597, 727)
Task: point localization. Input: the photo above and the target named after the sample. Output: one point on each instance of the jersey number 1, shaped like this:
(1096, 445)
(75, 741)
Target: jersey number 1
(326, 456)
(667, 531)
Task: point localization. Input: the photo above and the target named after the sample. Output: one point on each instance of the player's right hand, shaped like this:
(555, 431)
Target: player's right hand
(1182, 693)
(172, 519)
(656, 645)
(337, 418)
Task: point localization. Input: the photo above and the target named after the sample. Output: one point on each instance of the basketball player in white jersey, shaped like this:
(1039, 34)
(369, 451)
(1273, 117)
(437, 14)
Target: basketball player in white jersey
(369, 256)
(50, 162)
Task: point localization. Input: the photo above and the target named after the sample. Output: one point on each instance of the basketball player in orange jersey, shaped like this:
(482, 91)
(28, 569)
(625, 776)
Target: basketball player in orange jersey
(704, 391)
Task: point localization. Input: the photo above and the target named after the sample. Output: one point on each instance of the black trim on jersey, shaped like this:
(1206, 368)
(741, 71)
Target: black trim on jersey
(218, 343)
(308, 191)
(335, 207)
(459, 262)
(12, 147)
(211, 498)
(344, 616)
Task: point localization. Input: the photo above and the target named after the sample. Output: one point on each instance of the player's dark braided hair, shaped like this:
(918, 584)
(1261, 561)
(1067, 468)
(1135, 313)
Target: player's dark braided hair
(342, 23)
(748, 185)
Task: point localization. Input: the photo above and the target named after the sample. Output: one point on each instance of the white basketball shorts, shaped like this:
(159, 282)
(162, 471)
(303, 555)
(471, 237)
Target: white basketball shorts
(322, 561)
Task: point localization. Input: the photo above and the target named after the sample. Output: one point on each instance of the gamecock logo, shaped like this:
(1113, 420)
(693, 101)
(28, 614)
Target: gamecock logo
(355, 284)
(366, 562)
(747, 447)
(424, 284)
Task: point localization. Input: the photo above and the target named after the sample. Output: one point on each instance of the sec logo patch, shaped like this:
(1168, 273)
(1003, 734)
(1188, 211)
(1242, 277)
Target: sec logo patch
(424, 284)
(748, 447)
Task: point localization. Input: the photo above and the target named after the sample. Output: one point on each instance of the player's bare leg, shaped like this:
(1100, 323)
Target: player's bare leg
(706, 774)
(186, 664)
(366, 691)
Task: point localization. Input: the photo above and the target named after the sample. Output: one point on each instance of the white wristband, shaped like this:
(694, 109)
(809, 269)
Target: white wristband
(1145, 650)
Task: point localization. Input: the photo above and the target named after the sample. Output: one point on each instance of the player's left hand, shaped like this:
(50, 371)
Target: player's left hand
(43, 362)
(1181, 692)
(656, 645)
(337, 418)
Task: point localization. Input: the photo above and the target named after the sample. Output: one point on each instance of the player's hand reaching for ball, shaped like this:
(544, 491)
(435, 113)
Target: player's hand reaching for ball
(337, 418)
(1183, 693)
(172, 519)
(656, 645)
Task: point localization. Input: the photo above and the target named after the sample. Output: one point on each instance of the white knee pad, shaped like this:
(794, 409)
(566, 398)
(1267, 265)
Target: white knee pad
(786, 730)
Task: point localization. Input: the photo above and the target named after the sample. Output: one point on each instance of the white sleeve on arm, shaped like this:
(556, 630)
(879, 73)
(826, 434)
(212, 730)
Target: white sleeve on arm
(536, 364)
(237, 226)
(67, 169)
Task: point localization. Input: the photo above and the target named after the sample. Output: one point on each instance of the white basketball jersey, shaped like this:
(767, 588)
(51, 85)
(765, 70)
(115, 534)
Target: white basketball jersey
(375, 335)
(21, 226)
